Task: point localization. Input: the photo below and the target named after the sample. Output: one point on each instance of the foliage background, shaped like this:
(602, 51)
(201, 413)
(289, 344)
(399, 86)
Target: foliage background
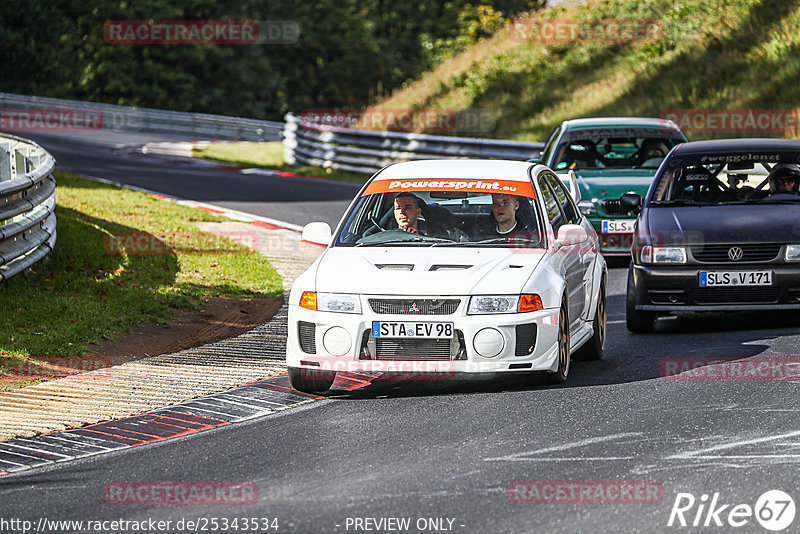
(350, 52)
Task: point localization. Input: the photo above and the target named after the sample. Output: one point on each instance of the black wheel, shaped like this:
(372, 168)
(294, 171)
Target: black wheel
(560, 376)
(594, 348)
(311, 381)
(637, 321)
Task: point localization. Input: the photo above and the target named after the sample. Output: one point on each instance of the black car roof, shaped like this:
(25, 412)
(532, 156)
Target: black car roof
(736, 145)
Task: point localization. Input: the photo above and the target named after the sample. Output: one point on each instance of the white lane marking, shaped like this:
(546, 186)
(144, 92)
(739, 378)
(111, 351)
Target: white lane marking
(693, 454)
(741, 456)
(265, 172)
(520, 456)
(567, 459)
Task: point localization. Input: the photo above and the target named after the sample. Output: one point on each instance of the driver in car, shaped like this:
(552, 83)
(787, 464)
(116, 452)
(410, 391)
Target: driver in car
(784, 179)
(407, 209)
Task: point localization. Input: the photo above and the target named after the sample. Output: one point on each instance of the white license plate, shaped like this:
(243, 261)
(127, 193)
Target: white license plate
(422, 330)
(618, 226)
(735, 278)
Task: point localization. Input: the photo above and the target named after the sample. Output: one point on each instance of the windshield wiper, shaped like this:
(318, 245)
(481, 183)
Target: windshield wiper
(495, 240)
(682, 202)
(419, 239)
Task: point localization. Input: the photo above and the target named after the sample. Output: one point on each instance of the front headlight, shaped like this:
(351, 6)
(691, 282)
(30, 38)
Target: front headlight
(651, 254)
(495, 304)
(331, 302)
(792, 252)
(587, 207)
(504, 304)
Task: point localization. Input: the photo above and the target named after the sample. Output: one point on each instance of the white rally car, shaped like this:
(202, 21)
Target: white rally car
(446, 267)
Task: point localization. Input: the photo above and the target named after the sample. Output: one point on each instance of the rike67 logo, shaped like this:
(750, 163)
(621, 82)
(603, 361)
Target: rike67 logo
(774, 510)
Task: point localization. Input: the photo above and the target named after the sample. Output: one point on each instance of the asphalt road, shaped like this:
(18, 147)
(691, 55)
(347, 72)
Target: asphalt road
(444, 454)
(112, 156)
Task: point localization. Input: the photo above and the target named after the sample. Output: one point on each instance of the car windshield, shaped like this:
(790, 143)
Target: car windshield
(603, 148)
(729, 178)
(444, 217)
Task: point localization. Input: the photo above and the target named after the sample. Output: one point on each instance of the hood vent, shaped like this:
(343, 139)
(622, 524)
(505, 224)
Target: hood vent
(449, 267)
(395, 266)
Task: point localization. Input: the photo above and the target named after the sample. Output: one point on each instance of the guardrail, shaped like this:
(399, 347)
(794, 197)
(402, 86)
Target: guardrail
(27, 203)
(34, 113)
(367, 151)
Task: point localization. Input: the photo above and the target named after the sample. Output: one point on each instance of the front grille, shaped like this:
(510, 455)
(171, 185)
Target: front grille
(614, 207)
(750, 253)
(526, 339)
(412, 349)
(307, 335)
(414, 306)
(736, 295)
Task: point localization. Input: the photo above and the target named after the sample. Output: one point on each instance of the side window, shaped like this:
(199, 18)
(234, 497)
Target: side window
(554, 214)
(564, 199)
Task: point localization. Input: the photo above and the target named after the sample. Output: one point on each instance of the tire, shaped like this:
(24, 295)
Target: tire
(594, 348)
(311, 381)
(560, 376)
(637, 321)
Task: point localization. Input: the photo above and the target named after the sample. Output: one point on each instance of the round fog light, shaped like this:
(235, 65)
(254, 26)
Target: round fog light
(336, 341)
(488, 342)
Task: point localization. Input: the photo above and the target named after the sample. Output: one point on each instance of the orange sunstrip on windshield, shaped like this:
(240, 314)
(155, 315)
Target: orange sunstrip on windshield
(472, 185)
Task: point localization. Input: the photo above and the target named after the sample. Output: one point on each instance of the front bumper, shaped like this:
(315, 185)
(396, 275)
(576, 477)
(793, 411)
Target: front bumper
(677, 288)
(529, 343)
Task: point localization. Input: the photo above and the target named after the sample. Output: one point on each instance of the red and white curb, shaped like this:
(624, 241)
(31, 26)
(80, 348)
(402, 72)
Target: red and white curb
(257, 399)
(287, 229)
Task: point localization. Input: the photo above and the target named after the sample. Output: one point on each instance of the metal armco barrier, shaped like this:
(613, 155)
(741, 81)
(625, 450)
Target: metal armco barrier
(27, 203)
(366, 151)
(33, 113)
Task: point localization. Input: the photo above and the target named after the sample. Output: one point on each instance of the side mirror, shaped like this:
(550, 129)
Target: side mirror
(317, 232)
(631, 202)
(571, 234)
(536, 159)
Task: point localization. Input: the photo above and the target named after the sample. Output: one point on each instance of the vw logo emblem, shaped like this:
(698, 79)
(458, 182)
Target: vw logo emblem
(735, 253)
(413, 308)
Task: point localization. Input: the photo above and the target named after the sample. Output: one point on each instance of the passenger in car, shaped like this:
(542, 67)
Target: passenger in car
(503, 222)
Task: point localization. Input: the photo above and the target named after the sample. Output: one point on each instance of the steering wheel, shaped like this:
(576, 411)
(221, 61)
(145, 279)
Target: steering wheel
(708, 192)
(375, 224)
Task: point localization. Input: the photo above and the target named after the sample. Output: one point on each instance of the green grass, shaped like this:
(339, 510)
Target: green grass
(86, 292)
(713, 54)
(269, 156)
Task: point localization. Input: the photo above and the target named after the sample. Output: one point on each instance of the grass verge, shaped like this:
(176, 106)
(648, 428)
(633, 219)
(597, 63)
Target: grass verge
(122, 259)
(269, 156)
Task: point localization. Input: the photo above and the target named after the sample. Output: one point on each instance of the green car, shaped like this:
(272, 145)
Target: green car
(610, 156)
